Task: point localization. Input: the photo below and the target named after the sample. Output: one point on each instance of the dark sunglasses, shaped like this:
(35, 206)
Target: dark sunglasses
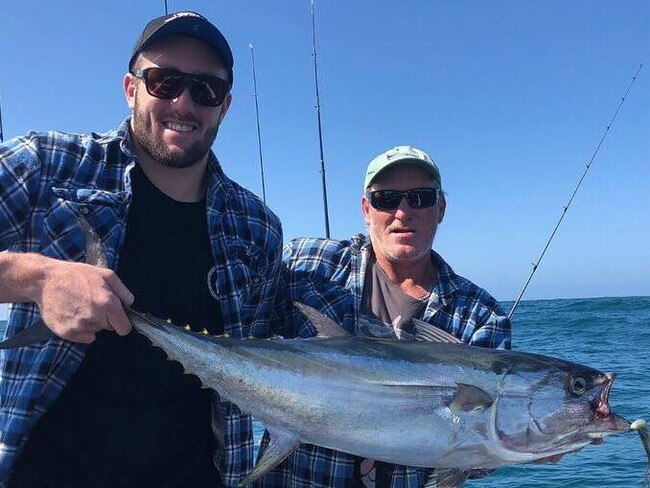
(416, 198)
(167, 83)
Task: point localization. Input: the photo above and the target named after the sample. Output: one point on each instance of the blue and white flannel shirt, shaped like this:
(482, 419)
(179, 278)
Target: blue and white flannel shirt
(47, 178)
(329, 276)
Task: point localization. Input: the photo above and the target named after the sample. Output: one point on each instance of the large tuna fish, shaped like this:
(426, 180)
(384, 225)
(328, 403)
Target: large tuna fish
(439, 404)
(448, 406)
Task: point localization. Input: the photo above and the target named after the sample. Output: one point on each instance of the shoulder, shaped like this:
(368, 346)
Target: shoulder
(467, 298)
(471, 291)
(53, 149)
(246, 214)
(310, 253)
(479, 317)
(53, 141)
(458, 286)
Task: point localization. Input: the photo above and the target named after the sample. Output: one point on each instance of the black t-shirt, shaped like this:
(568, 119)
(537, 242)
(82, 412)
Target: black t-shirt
(129, 417)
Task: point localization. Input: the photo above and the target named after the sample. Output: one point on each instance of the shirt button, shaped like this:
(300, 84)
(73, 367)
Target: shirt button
(84, 210)
(255, 280)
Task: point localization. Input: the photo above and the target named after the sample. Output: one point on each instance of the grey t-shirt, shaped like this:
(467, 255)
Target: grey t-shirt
(388, 302)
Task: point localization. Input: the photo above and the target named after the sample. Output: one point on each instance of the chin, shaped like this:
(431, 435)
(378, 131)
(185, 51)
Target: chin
(405, 253)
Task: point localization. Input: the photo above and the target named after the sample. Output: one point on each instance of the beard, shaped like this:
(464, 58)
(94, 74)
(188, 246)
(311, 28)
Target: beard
(380, 239)
(153, 144)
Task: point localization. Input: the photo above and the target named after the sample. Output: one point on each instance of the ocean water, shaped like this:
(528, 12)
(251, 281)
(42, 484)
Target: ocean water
(610, 334)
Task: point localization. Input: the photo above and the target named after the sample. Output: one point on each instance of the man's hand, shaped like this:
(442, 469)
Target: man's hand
(78, 300)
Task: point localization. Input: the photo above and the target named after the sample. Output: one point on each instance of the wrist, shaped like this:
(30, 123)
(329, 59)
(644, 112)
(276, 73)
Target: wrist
(23, 276)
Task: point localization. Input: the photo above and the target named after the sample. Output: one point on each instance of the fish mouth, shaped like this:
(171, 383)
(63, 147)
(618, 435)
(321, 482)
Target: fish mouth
(602, 410)
(607, 422)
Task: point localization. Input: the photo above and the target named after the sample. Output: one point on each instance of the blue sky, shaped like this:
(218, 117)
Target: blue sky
(509, 97)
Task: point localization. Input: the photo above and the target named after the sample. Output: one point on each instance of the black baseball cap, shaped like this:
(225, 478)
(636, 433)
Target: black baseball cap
(188, 24)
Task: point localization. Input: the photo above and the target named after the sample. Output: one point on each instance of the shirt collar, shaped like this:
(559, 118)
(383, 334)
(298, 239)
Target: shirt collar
(446, 285)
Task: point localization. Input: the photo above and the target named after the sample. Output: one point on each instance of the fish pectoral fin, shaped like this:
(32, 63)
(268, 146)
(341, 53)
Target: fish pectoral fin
(95, 252)
(447, 478)
(280, 446)
(325, 326)
(32, 335)
(429, 332)
(374, 329)
(469, 398)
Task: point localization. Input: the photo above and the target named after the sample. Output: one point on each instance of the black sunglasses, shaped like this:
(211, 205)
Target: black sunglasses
(416, 198)
(167, 83)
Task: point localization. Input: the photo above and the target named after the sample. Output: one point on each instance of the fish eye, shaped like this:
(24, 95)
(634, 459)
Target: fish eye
(578, 385)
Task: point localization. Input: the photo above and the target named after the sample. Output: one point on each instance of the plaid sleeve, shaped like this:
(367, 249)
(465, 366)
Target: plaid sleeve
(20, 170)
(493, 328)
(467, 311)
(315, 272)
(488, 323)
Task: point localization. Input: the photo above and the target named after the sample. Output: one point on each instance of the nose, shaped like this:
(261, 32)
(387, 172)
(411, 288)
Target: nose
(183, 102)
(403, 210)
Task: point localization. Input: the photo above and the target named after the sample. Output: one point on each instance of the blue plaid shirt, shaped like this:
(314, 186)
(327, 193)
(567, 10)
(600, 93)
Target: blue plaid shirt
(329, 276)
(47, 178)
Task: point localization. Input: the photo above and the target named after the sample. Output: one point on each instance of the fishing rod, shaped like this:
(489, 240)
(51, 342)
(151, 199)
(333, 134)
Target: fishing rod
(2, 138)
(320, 133)
(575, 190)
(166, 11)
(257, 116)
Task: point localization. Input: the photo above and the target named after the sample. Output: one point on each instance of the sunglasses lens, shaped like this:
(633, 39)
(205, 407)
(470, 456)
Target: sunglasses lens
(385, 199)
(422, 197)
(208, 90)
(168, 83)
(390, 199)
(162, 83)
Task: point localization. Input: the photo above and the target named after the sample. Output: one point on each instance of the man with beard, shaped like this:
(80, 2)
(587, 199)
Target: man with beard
(98, 406)
(393, 276)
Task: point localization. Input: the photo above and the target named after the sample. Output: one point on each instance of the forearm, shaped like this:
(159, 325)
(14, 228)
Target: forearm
(21, 276)
(75, 300)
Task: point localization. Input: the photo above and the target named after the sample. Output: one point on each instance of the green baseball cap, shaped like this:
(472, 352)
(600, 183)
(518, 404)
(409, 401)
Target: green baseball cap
(400, 155)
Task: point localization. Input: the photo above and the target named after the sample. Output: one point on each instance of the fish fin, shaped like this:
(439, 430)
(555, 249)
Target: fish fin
(26, 337)
(139, 317)
(280, 446)
(432, 481)
(429, 332)
(95, 252)
(447, 478)
(373, 328)
(469, 398)
(325, 326)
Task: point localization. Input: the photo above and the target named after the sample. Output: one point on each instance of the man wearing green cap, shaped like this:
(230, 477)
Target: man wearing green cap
(395, 276)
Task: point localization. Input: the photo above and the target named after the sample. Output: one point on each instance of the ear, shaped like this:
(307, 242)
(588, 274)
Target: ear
(365, 209)
(130, 82)
(442, 206)
(225, 105)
